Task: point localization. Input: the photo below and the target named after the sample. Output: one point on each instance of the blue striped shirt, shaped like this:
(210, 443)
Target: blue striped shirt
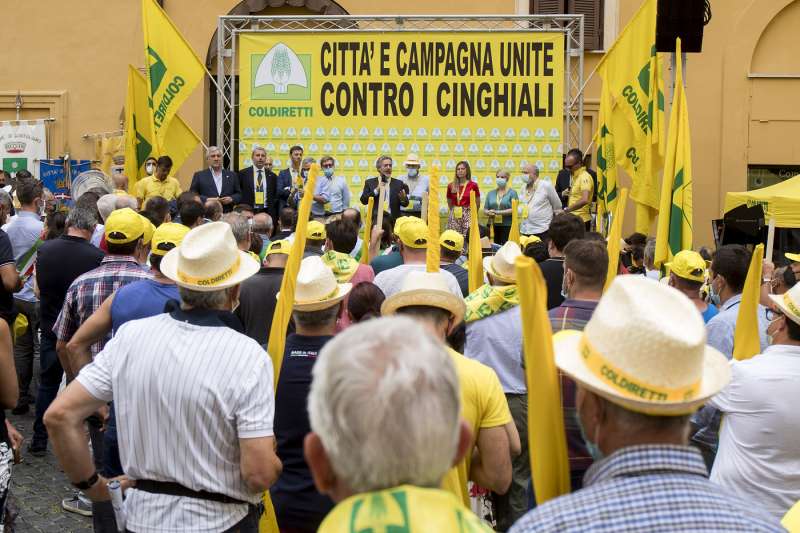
(648, 488)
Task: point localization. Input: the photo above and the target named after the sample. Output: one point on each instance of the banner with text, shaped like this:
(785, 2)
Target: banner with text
(53, 175)
(493, 99)
(22, 145)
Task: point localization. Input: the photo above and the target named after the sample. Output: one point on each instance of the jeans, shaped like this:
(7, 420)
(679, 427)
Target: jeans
(26, 349)
(50, 380)
(510, 507)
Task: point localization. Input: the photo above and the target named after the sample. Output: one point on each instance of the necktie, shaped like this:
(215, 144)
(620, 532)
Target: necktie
(260, 182)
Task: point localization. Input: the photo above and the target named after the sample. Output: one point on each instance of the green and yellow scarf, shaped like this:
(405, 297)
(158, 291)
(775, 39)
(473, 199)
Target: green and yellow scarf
(489, 300)
(343, 266)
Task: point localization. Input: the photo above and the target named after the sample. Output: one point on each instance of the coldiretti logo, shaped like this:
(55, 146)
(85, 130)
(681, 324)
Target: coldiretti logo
(162, 92)
(281, 74)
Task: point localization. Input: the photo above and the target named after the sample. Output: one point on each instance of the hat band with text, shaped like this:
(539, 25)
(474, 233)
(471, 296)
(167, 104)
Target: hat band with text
(326, 297)
(629, 385)
(212, 280)
(790, 305)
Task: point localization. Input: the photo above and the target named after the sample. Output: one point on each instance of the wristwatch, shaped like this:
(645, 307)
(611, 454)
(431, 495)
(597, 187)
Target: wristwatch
(88, 483)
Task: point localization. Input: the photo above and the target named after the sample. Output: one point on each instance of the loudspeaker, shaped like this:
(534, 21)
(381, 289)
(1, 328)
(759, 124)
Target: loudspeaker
(680, 18)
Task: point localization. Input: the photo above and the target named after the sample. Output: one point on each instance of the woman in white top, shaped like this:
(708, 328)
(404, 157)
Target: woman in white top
(541, 200)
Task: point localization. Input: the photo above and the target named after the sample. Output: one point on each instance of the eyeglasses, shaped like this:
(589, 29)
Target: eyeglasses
(328, 165)
(772, 314)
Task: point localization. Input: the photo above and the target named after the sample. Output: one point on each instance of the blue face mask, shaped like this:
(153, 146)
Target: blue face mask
(328, 171)
(501, 183)
(412, 172)
(713, 294)
(591, 447)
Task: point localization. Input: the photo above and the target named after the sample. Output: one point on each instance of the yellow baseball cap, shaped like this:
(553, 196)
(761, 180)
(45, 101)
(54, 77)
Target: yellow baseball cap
(281, 246)
(688, 264)
(167, 236)
(149, 230)
(794, 258)
(316, 230)
(413, 232)
(124, 226)
(452, 240)
(525, 240)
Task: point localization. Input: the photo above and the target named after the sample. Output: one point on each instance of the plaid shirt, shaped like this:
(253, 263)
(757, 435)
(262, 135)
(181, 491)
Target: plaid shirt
(87, 293)
(648, 488)
(572, 314)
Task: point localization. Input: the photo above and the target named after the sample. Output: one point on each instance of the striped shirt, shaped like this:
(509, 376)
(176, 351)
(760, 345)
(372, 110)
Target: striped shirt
(186, 388)
(648, 488)
(88, 292)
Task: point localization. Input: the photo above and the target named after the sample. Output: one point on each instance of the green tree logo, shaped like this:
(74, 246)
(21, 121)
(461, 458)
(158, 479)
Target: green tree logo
(281, 70)
(281, 74)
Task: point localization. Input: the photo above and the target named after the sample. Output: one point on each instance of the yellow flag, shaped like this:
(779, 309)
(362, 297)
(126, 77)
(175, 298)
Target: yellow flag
(606, 162)
(513, 234)
(675, 214)
(746, 337)
(547, 439)
(367, 231)
(791, 520)
(475, 256)
(614, 237)
(433, 255)
(181, 139)
(108, 148)
(174, 70)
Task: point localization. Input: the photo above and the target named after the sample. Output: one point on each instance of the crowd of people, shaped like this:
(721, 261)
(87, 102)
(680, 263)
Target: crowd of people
(401, 400)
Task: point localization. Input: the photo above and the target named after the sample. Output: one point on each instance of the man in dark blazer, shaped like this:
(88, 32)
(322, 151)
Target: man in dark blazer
(398, 191)
(217, 182)
(287, 178)
(259, 181)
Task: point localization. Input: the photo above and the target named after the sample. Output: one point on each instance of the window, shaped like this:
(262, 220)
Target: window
(592, 11)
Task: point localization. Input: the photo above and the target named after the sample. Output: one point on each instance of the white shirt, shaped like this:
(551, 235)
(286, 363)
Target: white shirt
(217, 180)
(417, 186)
(542, 204)
(496, 341)
(759, 443)
(184, 394)
(391, 281)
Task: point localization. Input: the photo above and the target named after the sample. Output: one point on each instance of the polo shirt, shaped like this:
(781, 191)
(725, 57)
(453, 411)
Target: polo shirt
(759, 455)
(461, 274)
(148, 187)
(186, 387)
(25, 231)
(6, 298)
(391, 281)
(297, 503)
(141, 299)
(58, 263)
(386, 261)
(496, 341)
(581, 182)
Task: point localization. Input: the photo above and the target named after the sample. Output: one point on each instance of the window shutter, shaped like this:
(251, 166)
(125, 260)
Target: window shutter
(592, 11)
(547, 7)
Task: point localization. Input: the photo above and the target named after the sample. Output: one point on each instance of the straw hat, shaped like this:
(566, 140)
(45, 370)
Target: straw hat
(789, 303)
(208, 259)
(411, 159)
(316, 286)
(428, 289)
(501, 265)
(645, 350)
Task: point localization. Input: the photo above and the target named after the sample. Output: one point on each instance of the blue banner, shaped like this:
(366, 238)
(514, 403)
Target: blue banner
(51, 172)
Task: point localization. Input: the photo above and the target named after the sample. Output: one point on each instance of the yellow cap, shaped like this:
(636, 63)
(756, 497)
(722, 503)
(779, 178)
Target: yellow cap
(794, 258)
(452, 240)
(413, 232)
(124, 226)
(149, 230)
(167, 236)
(525, 240)
(316, 230)
(688, 264)
(281, 246)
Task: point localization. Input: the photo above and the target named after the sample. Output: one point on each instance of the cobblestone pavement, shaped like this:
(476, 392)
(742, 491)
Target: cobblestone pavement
(38, 486)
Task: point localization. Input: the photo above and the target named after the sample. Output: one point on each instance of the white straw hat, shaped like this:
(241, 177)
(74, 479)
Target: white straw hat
(645, 350)
(428, 289)
(208, 259)
(501, 265)
(789, 303)
(316, 286)
(411, 159)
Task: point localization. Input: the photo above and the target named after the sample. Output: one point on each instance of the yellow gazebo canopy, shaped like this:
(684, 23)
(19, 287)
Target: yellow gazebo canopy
(781, 201)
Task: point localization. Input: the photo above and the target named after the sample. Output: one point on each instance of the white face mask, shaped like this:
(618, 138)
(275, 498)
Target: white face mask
(412, 172)
(149, 168)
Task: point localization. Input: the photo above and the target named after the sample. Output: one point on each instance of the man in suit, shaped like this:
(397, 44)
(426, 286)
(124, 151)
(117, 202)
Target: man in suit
(287, 178)
(217, 182)
(259, 184)
(396, 194)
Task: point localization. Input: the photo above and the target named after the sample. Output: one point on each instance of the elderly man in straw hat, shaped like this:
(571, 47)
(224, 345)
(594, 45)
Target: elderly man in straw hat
(425, 298)
(759, 455)
(642, 367)
(172, 377)
(317, 303)
(386, 429)
(494, 338)
(417, 186)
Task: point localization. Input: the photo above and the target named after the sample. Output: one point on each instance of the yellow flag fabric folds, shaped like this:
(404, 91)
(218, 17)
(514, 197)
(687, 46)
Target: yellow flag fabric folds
(675, 215)
(746, 337)
(475, 256)
(107, 149)
(174, 70)
(180, 142)
(433, 255)
(606, 162)
(547, 440)
(513, 234)
(367, 231)
(614, 238)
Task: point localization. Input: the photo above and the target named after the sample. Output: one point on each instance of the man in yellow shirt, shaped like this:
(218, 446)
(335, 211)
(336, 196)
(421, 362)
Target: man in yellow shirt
(581, 188)
(159, 184)
(426, 298)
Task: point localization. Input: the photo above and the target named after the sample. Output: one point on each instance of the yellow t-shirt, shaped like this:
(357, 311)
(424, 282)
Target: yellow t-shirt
(483, 405)
(403, 509)
(148, 187)
(581, 182)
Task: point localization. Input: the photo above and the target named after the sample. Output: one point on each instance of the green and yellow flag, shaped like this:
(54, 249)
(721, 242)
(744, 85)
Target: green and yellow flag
(475, 255)
(614, 237)
(632, 70)
(746, 338)
(675, 215)
(181, 140)
(433, 256)
(174, 70)
(606, 162)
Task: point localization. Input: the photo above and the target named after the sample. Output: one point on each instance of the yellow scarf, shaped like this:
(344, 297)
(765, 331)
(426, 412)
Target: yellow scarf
(489, 300)
(343, 266)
